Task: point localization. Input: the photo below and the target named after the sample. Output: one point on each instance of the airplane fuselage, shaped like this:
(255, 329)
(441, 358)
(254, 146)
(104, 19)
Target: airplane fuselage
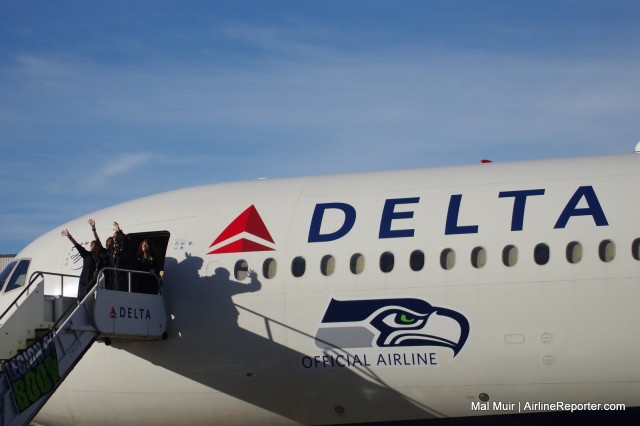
(402, 295)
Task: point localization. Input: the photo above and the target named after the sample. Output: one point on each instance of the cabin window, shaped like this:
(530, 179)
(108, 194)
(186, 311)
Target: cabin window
(241, 270)
(416, 260)
(269, 268)
(607, 250)
(574, 252)
(510, 255)
(541, 254)
(447, 259)
(478, 257)
(327, 265)
(19, 277)
(298, 266)
(635, 249)
(386, 262)
(357, 263)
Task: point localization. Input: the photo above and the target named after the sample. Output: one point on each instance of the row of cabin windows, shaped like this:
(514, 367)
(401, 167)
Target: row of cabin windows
(510, 256)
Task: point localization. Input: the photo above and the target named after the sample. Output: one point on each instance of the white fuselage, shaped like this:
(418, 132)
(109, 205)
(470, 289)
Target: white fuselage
(557, 326)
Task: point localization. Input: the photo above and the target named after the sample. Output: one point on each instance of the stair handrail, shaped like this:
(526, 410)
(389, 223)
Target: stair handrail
(129, 272)
(32, 279)
(94, 285)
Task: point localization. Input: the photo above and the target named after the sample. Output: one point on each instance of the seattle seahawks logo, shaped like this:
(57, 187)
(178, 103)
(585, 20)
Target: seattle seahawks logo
(387, 323)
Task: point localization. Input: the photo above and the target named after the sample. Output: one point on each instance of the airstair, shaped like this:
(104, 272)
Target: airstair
(43, 337)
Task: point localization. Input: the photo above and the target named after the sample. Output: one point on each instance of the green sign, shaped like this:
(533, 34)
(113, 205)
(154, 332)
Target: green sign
(33, 373)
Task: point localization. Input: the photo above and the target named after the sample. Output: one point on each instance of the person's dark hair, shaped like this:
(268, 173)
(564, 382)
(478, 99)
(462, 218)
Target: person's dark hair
(151, 250)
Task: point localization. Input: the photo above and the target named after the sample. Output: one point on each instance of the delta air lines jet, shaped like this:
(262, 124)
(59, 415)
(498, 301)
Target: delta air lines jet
(418, 294)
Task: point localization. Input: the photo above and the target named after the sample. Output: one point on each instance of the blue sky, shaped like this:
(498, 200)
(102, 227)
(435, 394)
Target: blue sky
(102, 102)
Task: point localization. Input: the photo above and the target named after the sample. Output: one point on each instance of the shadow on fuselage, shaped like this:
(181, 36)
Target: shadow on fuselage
(207, 345)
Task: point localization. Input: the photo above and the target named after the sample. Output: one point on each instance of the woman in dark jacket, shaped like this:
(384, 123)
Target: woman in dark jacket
(93, 261)
(146, 261)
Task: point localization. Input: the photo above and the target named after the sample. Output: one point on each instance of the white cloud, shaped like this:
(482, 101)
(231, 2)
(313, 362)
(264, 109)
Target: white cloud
(120, 164)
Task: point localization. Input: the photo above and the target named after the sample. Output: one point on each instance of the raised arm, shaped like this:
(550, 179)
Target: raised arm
(67, 234)
(92, 223)
(120, 233)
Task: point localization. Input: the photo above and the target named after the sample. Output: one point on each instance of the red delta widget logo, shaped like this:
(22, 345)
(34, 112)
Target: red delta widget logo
(246, 233)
